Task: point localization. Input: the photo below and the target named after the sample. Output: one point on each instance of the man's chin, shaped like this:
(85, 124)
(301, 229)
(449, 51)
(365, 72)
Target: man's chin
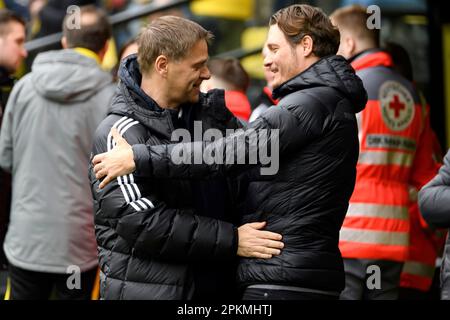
(275, 85)
(195, 98)
(11, 69)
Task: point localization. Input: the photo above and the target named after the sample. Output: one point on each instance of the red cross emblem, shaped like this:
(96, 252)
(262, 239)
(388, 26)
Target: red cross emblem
(397, 106)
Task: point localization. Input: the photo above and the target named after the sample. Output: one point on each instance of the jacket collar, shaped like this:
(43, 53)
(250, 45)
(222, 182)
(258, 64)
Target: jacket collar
(132, 101)
(371, 58)
(331, 72)
(268, 92)
(89, 53)
(6, 80)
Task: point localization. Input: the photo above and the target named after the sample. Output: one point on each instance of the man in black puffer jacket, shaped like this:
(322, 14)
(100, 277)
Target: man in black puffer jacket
(168, 239)
(306, 200)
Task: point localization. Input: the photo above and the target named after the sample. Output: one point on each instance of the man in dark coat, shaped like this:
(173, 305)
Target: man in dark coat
(12, 53)
(306, 197)
(168, 239)
(433, 201)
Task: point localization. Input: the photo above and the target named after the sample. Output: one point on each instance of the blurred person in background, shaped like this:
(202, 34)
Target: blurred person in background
(433, 202)
(12, 53)
(230, 76)
(48, 15)
(425, 243)
(265, 99)
(131, 47)
(19, 7)
(45, 141)
(395, 153)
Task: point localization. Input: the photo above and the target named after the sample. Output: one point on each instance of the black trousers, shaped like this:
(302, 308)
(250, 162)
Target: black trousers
(268, 294)
(358, 274)
(30, 285)
(413, 294)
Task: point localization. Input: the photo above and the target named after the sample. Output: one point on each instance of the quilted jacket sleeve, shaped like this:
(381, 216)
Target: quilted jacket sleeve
(150, 226)
(435, 197)
(278, 131)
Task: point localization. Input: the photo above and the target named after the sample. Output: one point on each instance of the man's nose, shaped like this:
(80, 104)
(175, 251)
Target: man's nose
(24, 53)
(206, 74)
(267, 61)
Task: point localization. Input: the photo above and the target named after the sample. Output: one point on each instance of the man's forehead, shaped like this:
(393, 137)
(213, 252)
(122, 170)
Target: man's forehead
(15, 28)
(199, 52)
(200, 59)
(275, 36)
(11, 27)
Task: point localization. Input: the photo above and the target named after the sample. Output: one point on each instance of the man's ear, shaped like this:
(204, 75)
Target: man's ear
(162, 65)
(351, 46)
(307, 45)
(64, 42)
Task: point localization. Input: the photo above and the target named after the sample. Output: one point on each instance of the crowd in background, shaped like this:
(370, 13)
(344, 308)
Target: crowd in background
(83, 78)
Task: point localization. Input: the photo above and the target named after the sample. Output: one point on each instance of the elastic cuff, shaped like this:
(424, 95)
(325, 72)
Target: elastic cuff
(142, 160)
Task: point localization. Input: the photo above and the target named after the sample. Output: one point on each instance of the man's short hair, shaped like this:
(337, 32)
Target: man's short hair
(6, 17)
(230, 71)
(94, 31)
(401, 59)
(354, 18)
(171, 36)
(300, 20)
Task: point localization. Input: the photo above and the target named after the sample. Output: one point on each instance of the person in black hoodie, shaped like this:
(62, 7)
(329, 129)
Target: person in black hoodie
(12, 53)
(168, 239)
(307, 198)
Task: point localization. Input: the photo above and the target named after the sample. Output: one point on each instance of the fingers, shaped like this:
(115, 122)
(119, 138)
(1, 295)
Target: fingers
(105, 181)
(105, 164)
(260, 255)
(273, 252)
(101, 173)
(265, 234)
(264, 253)
(257, 225)
(98, 167)
(274, 244)
(267, 244)
(98, 158)
(117, 137)
(269, 235)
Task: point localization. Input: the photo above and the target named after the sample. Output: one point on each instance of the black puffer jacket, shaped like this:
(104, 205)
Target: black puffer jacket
(6, 84)
(307, 199)
(159, 239)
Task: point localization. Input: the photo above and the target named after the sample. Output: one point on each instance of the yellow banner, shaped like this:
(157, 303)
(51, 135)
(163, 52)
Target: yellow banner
(231, 9)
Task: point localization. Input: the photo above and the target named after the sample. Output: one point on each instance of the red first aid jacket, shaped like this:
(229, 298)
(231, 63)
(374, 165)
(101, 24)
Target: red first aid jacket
(392, 157)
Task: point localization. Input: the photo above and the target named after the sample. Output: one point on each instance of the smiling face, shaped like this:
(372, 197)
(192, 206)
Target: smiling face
(281, 59)
(185, 76)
